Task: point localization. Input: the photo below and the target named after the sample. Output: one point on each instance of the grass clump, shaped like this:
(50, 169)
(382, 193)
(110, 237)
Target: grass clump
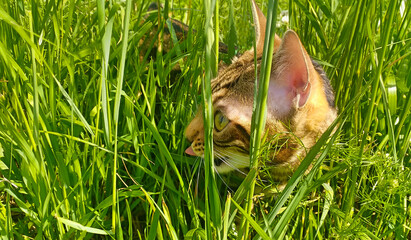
(94, 102)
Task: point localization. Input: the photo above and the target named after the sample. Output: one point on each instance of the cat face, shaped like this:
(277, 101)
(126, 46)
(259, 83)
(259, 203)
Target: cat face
(300, 107)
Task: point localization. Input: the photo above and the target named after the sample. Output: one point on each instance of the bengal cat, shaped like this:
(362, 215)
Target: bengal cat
(300, 107)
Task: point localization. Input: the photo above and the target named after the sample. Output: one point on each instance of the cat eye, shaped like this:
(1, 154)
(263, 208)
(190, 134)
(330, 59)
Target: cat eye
(220, 121)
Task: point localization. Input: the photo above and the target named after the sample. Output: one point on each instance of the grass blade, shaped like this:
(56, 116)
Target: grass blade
(81, 227)
(35, 90)
(212, 199)
(260, 108)
(253, 223)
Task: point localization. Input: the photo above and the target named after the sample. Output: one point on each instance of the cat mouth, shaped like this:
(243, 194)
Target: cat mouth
(217, 160)
(221, 163)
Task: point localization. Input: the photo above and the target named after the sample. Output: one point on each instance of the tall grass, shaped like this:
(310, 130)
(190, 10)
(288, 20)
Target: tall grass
(93, 110)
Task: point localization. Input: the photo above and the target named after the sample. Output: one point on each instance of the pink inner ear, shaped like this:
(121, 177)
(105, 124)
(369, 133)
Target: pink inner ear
(290, 87)
(304, 94)
(301, 86)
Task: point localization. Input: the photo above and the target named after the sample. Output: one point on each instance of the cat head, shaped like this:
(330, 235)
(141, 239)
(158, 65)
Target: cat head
(300, 105)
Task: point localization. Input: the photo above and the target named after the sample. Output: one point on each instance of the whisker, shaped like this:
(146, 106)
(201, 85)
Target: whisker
(231, 163)
(198, 177)
(222, 179)
(233, 156)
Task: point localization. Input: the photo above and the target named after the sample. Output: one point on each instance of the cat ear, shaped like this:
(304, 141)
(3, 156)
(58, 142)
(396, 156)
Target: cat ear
(290, 85)
(259, 25)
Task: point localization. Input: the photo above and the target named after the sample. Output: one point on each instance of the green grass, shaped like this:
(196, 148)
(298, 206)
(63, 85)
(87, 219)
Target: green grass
(92, 128)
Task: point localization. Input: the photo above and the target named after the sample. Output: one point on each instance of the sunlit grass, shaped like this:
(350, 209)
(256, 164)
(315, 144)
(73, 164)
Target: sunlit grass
(92, 119)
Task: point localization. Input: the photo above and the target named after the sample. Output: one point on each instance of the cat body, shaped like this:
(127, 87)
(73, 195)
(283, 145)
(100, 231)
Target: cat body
(300, 107)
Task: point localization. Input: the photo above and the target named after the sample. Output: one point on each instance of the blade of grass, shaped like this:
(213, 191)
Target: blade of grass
(390, 125)
(253, 223)
(216, 38)
(226, 216)
(120, 75)
(232, 36)
(155, 224)
(260, 108)
(212, 199)
(117, 102)
(11, 64)
(404, 114)
(35, 89)
(81, 227)
(22, 33)
(105, 43)
(329, 197)
(24, 207)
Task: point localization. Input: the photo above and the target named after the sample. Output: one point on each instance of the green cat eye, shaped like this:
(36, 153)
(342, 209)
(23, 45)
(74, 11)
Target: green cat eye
(220, 121)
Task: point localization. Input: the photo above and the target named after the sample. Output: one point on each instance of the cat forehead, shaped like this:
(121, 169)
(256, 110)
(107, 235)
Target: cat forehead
(235, 81)
(238, 110)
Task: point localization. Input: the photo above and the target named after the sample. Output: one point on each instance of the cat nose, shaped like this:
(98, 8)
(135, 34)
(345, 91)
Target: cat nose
(190, 151)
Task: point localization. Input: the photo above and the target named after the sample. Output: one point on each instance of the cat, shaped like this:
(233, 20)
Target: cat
(300, 107)
(148, 44)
